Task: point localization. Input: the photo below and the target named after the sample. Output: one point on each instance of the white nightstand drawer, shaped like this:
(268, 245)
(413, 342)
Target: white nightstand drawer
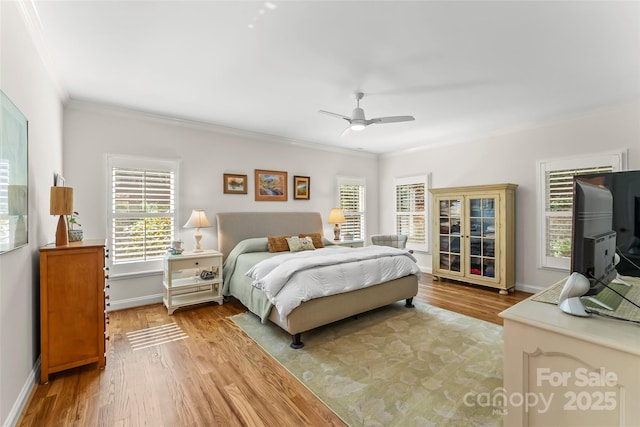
(197, 263)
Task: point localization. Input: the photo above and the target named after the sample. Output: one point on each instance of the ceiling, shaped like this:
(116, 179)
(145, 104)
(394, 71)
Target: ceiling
(462, 69)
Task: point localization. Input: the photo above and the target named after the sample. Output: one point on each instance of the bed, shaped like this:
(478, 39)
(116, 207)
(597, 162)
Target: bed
(238, 230)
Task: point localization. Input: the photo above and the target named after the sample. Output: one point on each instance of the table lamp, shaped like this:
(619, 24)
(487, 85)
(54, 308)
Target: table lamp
(61, 203)
(336, 217)
(197, 220)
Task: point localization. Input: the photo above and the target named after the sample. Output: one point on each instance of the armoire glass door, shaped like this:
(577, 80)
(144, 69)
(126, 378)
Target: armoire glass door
(482, 259)
(450, 222)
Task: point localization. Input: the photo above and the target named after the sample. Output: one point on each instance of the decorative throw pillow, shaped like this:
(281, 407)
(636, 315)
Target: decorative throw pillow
(297, 244)
(315, 237)
(278, 243)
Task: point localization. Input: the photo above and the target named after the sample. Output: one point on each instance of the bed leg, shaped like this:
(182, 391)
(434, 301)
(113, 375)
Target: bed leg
(409, 303)
(296, 342)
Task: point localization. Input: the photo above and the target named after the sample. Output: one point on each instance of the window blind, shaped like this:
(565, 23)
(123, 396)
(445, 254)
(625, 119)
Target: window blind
(352, 204)
(143, 213)
(411, 211)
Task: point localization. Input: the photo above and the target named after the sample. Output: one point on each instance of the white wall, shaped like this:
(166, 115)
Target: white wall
(511, 157)
(206, 152)
(24, 79)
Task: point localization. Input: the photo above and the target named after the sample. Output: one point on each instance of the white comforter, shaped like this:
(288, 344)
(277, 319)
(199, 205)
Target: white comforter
(292, 278)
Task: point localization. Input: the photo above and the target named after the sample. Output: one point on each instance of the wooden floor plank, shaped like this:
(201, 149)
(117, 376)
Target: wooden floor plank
(216, 377)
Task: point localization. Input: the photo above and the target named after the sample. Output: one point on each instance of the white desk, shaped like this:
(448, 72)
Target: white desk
(588, 369)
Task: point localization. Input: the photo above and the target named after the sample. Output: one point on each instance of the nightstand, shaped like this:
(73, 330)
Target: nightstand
(183, 285)
(349, 243)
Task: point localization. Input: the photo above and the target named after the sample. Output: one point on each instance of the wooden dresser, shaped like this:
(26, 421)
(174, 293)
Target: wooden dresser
(72, 306)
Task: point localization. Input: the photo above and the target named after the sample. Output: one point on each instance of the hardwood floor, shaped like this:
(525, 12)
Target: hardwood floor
(475, 301)
(218, 376)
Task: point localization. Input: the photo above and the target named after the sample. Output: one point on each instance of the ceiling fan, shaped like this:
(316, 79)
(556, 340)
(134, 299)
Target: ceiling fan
(358, 122)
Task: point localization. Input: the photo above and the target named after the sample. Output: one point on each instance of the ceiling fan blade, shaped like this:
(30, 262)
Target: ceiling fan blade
(392, 119)
(346, 132)
(340, 116)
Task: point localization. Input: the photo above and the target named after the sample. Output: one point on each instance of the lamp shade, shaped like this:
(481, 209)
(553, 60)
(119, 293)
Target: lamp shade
(61, 201)
(198, 219)
(336, 216)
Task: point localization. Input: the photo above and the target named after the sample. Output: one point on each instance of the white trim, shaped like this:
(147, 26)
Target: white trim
(618, 161)
(425, 269)
(350, 180)
(34, 28)
(127, 112)
(135, 275)
(134, 302)
(510, 129)
(529, 288)
(23, 396)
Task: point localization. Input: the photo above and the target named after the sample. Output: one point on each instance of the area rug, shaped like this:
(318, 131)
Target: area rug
(395, 366)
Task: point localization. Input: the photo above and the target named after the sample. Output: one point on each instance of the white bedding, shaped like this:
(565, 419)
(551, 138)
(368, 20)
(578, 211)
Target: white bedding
(291, 278)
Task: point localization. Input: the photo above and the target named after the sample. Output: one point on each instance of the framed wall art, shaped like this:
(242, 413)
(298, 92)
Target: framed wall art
(271, 185)
(301, 187)
(235, 184)
(14, 183)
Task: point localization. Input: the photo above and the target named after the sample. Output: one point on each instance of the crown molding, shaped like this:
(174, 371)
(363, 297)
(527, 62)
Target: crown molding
(34, 28)
(125, 112)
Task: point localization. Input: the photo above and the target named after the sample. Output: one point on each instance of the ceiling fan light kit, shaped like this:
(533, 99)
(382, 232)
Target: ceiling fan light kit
(358, 121)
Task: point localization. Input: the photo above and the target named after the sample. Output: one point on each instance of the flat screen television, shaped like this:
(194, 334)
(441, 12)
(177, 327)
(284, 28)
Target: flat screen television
(593, 240)
(606, 220)
(625, 189)
(593, 246)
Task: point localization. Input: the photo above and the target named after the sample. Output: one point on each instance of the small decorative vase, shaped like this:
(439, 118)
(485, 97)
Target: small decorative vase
(75, 235)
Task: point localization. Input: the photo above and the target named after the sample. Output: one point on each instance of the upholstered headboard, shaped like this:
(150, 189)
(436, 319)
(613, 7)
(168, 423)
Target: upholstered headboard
(234, 227)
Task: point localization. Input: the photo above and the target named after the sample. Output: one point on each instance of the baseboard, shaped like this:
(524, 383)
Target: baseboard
(134, 302)
(424, 269)
(518, 286)
(23, 397)
(528, 288)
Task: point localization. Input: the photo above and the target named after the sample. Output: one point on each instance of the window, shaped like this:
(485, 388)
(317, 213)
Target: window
(351, 193)
(411, 210)
(142, 213)
(556, 202)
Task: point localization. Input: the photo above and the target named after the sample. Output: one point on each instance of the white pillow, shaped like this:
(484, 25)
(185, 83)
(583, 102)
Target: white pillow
(297, 244)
